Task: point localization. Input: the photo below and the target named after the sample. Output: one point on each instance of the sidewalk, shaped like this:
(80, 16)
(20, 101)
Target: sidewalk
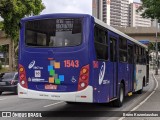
(151, 105)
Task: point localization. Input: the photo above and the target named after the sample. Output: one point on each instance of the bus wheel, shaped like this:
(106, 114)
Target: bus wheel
(119, 101)
(72, 103)
(140, 91)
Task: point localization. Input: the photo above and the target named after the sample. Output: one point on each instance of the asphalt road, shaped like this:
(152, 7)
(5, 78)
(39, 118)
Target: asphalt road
(11, 102)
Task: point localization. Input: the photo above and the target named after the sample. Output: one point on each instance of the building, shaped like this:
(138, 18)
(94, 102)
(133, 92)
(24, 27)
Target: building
(113, 12)
(136, 19)
(120, 13)
(101, 10)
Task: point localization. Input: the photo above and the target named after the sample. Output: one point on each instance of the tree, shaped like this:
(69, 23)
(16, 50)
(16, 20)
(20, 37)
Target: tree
(151, 9)
(1, 25)
(12, 11)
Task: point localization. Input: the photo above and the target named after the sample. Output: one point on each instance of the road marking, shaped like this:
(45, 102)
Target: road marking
(2, 99)
(135, 108)
(53, 104)
(156, 82)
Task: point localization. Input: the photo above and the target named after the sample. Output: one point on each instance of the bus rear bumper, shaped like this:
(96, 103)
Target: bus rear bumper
(85, 95)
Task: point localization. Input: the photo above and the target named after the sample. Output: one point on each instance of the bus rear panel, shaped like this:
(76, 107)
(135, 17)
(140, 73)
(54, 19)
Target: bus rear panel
(53, 59)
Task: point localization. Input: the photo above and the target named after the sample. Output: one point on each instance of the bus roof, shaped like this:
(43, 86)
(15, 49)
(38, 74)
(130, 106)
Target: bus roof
(47, 16)
(118, 32)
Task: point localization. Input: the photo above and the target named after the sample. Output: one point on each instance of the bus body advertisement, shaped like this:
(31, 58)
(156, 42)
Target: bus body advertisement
(77, 58)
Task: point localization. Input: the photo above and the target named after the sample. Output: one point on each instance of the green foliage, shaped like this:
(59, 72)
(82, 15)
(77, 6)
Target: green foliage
(0, 65)
(152, 45)
(151, 9)
(13, 10)
(4, 48)
(1, 25)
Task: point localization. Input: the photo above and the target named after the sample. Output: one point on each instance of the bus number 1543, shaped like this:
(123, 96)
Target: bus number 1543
(71, 63)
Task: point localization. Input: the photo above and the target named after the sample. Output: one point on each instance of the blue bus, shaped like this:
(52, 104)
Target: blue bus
(77, 58)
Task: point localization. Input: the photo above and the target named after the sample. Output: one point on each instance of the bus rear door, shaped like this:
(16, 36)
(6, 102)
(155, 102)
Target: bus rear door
(130, 67)
(113, 65)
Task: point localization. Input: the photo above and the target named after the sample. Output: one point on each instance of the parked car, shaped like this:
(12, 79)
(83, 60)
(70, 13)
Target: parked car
(8, 82)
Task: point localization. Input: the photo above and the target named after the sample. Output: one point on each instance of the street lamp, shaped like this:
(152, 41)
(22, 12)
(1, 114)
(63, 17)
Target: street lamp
(157, 28)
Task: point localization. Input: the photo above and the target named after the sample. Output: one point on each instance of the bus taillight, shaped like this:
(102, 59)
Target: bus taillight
(83, 78)
(22, 77)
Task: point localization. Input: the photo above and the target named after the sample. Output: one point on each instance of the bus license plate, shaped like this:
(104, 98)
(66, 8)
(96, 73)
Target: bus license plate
(50, 87)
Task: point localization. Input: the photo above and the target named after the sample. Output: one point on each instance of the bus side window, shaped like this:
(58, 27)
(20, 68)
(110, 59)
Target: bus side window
(136, 55)
(101, 43)
(130, 53)
(122, 49)
(144, 57)
(95, 34)
(140, 56)
(113, 49)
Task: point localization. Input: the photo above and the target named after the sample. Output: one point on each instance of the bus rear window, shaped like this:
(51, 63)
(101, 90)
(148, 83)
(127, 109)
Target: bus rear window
(63, 32)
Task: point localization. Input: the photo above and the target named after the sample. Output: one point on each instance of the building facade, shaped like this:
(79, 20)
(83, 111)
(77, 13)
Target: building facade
(136, 19)
(120, 13)
(101, 10)
(113, 12)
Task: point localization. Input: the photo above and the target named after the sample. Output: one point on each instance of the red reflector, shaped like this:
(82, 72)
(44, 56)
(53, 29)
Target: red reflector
(84, 77)
(83, 96)
(21, 76)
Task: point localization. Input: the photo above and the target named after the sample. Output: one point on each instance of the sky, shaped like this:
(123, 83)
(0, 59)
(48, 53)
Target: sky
(69, 6)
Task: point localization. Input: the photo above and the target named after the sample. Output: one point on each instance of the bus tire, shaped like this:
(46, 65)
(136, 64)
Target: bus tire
(119, 102)
(140, 91)
(72, 103)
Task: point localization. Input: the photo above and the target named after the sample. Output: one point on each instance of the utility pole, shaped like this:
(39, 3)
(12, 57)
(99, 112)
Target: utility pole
(157, 27)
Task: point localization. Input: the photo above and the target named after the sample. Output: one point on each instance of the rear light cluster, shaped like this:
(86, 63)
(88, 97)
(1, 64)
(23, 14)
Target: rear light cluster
(22, 77)
(83, 78)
